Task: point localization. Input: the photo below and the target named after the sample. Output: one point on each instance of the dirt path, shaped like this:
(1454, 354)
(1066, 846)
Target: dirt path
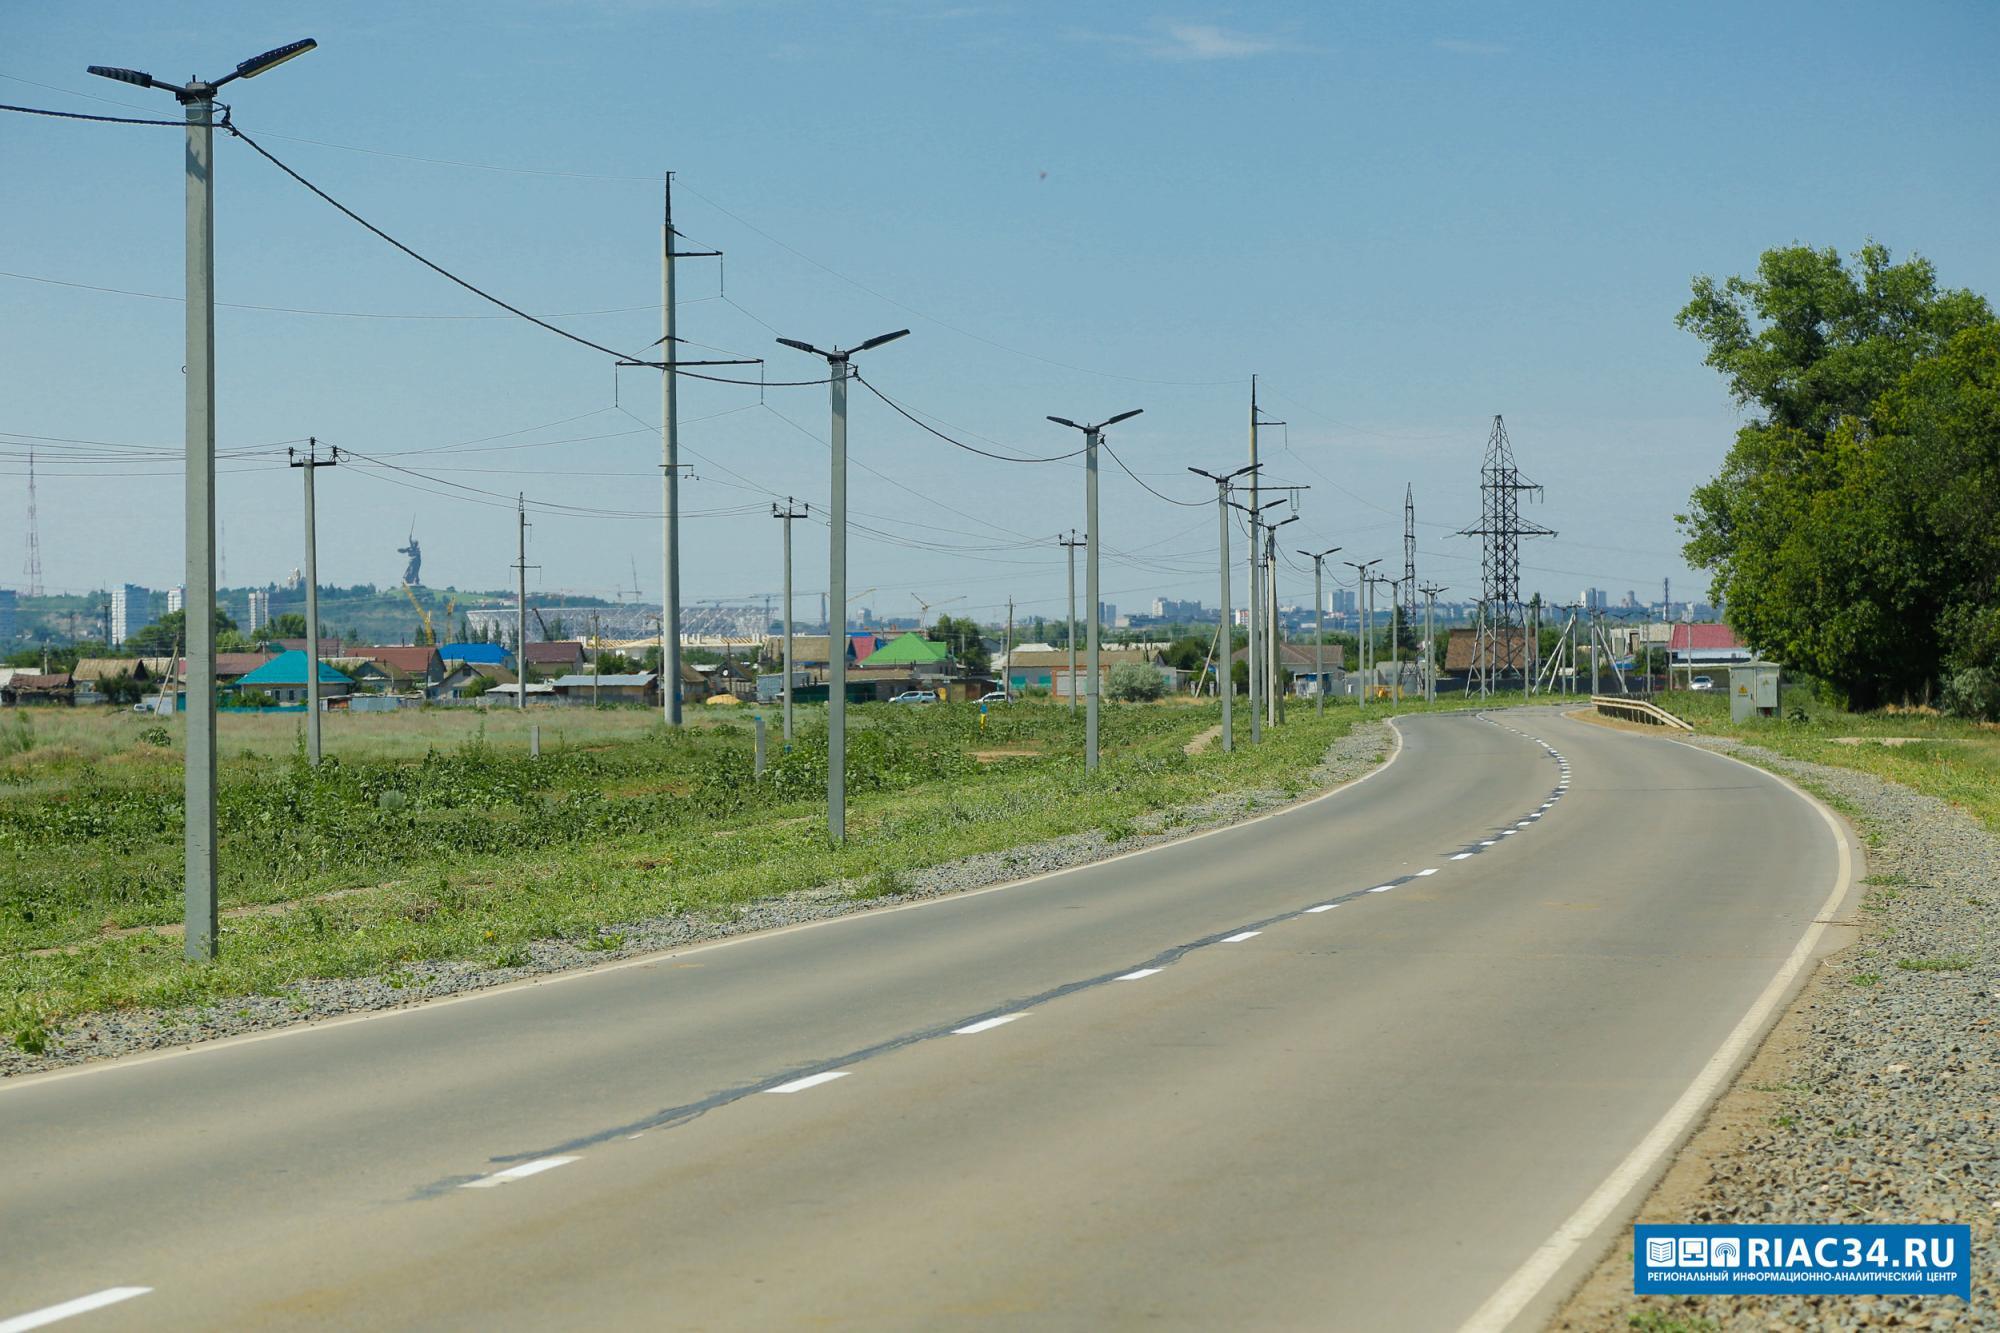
(1203, 741)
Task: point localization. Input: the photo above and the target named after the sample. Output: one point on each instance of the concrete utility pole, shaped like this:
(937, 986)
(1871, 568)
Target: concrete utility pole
(1319, 625)
(836, 578)
(1362, 612)
(1276, 683)
(521, 605)
(1395, 659)
(197, 99)
(1253, 654)
(787, 514)
(1430, 592)
(1069, 546)
(1225, 682)
(1092, 535)
(311, 463)
(1260, 664)
(1005, 687)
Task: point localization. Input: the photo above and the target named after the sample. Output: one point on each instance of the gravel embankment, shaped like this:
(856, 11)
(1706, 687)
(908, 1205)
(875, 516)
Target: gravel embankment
(1884, 1096)
(100, 1036)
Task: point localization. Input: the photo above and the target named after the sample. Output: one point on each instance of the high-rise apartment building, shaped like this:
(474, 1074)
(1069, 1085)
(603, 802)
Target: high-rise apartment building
(131, 608)
(260, 609)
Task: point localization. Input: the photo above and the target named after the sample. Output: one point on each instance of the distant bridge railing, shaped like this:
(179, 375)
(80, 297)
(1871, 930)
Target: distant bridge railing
(1638, 710)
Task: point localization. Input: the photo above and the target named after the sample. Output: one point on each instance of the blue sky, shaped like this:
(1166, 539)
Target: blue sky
(1404, 218)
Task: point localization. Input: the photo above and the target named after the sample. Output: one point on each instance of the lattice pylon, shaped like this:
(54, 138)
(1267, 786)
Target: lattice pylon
(1502, 648)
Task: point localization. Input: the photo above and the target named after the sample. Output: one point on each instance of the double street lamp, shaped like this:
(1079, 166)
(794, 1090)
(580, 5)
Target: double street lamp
(1319, 625)
(1091, 435)
(836, 582)
(1225, 664)
(197, 96)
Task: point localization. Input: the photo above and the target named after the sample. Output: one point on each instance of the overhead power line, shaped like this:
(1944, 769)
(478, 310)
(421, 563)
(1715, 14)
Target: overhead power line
(79, 115)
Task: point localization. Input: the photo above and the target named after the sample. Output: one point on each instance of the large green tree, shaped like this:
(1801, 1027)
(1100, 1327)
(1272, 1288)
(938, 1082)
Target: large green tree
(1821, 539)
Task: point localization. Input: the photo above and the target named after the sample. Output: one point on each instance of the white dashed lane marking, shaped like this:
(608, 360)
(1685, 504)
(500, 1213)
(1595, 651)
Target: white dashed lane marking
(1142, 972)
(809, 1081)
(1460, 856)
(1382, 888)
(521, 1172)
(49, 1314)
(1323, 907)
(984, 1025)
(1241, 936)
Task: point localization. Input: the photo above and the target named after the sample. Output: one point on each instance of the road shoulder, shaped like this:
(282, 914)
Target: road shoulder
(1874, 1097)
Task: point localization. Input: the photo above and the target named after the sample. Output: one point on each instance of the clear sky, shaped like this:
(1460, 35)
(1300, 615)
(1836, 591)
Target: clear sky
(1406, 218)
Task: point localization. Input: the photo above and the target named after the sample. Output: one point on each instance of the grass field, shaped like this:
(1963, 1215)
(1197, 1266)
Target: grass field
(1953, 760)
(435, 835)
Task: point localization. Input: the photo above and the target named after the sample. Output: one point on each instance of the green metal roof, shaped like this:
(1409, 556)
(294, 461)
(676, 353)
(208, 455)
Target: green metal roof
(909, 650)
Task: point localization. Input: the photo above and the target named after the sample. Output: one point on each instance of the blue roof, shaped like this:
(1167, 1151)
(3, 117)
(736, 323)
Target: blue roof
(290, 669)
(475, 652)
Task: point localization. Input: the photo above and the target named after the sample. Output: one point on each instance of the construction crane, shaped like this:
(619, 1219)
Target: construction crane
(924, 607)
(430, 631)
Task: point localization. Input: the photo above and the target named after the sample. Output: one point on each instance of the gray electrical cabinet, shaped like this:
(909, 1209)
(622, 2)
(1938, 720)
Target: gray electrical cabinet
(1753, 691)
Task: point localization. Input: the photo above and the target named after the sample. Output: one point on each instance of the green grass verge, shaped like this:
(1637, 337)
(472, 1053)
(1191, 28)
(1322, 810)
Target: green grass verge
(1955, 761)
(380, 858)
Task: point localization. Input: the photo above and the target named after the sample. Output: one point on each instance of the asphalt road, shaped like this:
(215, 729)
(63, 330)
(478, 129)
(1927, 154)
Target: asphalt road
(1363, 1117)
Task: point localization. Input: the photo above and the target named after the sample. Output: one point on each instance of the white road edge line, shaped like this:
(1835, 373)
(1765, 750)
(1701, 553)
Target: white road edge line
(1241, 936)
(97, 1300)
(19, 1081)
(1142, 972)
(1506, 1304)
(521, 1172)
(984, 1025)
(809, 1081)
(1323, 907)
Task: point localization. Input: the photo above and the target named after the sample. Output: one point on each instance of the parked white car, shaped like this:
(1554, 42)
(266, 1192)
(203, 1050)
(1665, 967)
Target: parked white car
(915, 697)
(1701, 683)
(995, 697)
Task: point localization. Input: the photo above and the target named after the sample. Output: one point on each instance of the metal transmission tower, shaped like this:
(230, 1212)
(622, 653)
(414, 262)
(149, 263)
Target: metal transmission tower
(34, 567)
(1408, 587)
(1501, 650)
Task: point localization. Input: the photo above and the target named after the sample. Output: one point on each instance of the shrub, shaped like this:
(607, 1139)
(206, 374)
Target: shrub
(1135, 682)
(1973, 692)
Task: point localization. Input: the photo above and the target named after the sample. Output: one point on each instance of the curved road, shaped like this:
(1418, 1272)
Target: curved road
(1174, 1089)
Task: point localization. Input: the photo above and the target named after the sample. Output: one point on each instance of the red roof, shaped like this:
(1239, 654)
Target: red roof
(410, 661)
(1703, 637)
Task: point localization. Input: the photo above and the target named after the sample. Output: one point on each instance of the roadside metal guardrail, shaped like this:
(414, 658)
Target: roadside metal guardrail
(1638, 710)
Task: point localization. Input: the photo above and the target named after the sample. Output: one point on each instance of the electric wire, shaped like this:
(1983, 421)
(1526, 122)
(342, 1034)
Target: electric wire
(907, 415)
(82, 115)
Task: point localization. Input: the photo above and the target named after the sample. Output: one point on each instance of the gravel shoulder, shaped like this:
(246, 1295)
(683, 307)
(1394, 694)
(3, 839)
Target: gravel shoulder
(107, 1035)
(1876, 1097)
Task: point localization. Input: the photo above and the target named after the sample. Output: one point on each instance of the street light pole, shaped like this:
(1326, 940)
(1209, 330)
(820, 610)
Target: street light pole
(310, 464)
(836, 580)
(1225, 655)
(1319, 627)
(1069, 545)
(200, 912)
(1093, 537)
(788, 514)
(1276, 683)
(1362, 611)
